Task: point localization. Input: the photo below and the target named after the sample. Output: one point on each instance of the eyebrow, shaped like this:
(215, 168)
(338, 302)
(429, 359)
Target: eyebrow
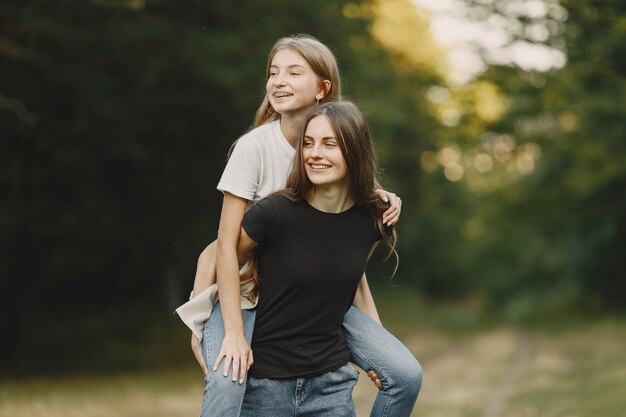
(290, 66)
(323, 139)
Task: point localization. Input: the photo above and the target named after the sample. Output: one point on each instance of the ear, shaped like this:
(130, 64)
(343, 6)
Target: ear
(323, 89)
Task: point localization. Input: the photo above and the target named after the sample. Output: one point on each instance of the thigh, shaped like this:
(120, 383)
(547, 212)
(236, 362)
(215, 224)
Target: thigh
(329, 395)
(266, 397)
(374, 348)
(222, 397)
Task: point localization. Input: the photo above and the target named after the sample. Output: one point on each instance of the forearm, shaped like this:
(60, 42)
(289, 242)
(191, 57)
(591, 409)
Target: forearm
(364, 301)
(205, 271)
(228, 288)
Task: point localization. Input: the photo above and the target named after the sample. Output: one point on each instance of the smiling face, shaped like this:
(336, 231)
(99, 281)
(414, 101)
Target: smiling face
(292, 85)
(323, 161)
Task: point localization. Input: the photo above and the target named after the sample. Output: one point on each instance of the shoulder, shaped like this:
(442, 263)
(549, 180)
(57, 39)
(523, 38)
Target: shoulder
(368, 219)
(273, 202)
(268, 211)
(257, 136)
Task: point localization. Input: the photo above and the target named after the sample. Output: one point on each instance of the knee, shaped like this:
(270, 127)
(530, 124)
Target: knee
(406, 377)
(415, 376)
(207, 256)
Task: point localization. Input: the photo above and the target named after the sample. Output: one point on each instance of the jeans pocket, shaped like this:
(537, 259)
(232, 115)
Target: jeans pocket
(351, 371)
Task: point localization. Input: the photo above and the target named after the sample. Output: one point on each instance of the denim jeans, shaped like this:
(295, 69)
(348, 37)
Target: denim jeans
(372, 347)
(222, 395)
(326, 395)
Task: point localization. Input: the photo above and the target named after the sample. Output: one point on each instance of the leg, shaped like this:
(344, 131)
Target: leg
(222, 396)
(374, 348)
(205, 270)
(269, 398)
(327, 395)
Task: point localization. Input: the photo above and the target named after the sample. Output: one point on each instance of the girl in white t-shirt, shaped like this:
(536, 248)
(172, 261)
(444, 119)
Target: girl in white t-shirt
(301, 72)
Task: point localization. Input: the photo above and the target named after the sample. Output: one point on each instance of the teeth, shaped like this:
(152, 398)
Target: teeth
(280, 95)
(319, 166)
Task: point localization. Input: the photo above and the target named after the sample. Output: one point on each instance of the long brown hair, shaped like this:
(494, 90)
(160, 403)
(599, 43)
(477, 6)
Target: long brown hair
(354, 140)
(318, 56)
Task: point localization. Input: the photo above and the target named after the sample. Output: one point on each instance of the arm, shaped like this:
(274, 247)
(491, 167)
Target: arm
(235, 348)
(205, 271)
(364, 301)
(245, 244)
(205, 277)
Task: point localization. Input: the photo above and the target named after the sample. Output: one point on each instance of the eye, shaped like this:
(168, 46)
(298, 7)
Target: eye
(295, 73)
(308, 144)
(330, 145)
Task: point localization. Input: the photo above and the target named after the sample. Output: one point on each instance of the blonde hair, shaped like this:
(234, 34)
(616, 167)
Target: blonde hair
(318, 56)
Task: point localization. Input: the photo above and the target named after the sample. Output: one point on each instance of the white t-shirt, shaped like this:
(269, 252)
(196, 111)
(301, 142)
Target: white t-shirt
(259, 163)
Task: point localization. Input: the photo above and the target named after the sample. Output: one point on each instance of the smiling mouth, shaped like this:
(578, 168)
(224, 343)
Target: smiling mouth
(319, 167)
(282, 95)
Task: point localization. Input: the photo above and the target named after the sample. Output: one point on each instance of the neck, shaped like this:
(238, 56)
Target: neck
(291, 125)
(333, 198)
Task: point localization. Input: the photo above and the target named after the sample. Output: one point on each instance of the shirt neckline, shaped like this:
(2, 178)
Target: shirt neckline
(281, 136)
(352, 207)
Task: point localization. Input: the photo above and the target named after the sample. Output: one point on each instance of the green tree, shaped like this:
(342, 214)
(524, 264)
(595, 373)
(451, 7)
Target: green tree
(537, 220)
(115, 120)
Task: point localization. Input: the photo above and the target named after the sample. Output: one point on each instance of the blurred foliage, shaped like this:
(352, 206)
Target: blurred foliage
(533, 212)
(116, 116)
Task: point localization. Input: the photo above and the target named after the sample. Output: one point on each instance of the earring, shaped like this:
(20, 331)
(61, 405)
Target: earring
(318, 102)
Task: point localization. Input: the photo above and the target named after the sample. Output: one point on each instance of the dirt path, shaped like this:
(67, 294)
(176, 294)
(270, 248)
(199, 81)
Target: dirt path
(478, 372)
(498, 401)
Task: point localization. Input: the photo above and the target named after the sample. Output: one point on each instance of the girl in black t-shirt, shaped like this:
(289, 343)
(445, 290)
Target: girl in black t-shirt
(313, 240)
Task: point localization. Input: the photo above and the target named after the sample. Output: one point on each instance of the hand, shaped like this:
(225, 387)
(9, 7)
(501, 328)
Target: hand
(374, 377)
(197, 352)
(235, 350)
(392, 214)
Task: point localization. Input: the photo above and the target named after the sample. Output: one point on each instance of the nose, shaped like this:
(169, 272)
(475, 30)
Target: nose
(279, 80)
(316, 152)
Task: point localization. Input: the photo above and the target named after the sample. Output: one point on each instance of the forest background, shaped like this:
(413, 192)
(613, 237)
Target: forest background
(116, 117)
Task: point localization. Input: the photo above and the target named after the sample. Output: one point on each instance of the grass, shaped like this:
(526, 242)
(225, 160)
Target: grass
(474, 366)
(514, 372)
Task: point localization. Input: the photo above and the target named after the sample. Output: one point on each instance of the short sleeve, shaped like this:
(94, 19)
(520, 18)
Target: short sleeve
(258, 222)
(377, 233)
(242, 172)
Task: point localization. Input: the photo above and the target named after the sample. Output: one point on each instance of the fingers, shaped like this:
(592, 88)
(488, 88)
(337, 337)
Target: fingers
(374, 377)
(197, 352)
(382, 194)
(245, 366)
(240, 365)
(236, 362)
(228, 359)
(392, 214)
(218, 360)
(241, 369)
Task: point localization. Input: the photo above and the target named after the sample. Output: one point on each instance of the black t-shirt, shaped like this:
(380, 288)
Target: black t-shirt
(310, 263)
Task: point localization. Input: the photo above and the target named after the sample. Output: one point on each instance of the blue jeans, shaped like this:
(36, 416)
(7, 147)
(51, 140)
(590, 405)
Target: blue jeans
(222, 395)
(326, 395)
(372, 347)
